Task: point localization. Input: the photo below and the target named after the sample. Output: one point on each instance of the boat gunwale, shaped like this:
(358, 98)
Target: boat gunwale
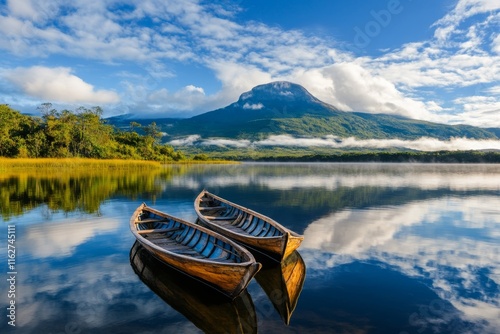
(286, 233)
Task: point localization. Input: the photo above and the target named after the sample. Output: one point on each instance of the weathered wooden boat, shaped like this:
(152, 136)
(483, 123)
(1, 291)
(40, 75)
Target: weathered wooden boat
(254, 230)
(207, 308)
(283, 282)
(195, 250)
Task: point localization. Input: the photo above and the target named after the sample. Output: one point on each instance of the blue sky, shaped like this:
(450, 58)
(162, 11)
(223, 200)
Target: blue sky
(426, 59)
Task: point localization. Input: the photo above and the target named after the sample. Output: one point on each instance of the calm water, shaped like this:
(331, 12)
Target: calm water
(388, 249)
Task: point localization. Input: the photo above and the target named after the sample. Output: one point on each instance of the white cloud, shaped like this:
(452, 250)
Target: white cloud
(237, 78)
(495, 45)
(189, 140)
(355, 88)
(186, 99)
(255, 106)
(58, 84)
(463, 10)
(22, 8)
(494, 90)
(422, 144)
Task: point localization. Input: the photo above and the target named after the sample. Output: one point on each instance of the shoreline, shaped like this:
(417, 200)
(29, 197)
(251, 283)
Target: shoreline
(95, 164)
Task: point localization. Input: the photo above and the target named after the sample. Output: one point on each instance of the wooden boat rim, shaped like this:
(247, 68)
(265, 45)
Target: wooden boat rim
(271, 221)
(245, 261)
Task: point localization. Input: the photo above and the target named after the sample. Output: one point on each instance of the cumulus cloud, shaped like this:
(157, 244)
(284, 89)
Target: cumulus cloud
(58, 84)
(188, 98)
(357, 89)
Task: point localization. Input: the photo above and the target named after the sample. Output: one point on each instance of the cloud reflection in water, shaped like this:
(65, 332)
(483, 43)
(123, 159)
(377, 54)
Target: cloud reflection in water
(451, 242)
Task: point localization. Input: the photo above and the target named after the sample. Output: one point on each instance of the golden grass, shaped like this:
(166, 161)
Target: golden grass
(93, 164)
(75, 164)
(203, 162)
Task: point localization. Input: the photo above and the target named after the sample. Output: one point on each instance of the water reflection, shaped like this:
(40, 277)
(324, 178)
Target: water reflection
(371, 297)
(283, 283)
(77, 190)
(388, 248)
(334, 176)
(206, 308)
(61, 238)
(452, 242)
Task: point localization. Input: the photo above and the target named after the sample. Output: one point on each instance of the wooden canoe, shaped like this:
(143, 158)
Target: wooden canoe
(254, 230)
(206, 308)
(195, 250)
(282, 282)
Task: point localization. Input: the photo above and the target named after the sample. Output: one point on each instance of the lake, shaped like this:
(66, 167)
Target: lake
(388, 248)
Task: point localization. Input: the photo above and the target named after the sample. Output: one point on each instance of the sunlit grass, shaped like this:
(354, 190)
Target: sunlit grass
(76, 163)
(204, 162)
(93, 164)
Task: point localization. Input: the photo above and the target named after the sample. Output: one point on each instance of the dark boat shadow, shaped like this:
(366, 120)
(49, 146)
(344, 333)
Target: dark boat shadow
(208, 309)
(282, 282)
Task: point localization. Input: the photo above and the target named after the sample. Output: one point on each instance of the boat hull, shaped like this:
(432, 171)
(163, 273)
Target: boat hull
(206, 308)
(256, 231)
(195, 250)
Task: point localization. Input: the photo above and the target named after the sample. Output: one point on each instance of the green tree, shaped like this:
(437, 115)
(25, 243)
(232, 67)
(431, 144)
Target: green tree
(59, 130)
(91, 138)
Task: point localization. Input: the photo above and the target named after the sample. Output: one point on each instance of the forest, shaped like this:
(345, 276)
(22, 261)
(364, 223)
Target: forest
(81, 133)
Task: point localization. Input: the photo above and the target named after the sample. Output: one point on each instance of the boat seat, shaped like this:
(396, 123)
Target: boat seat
(212, 208)
(151, 220)
(159, 230)
(220, 218)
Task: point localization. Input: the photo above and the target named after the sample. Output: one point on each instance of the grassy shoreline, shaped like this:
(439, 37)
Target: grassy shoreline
(94, 164)
(74, 163)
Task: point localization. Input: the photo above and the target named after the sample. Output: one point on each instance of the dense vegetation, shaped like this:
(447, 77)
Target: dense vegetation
(420, 157)
(81, 133)
(321, 154)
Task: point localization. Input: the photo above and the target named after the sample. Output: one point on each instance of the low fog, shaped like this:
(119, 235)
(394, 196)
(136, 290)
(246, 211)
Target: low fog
(421, 144)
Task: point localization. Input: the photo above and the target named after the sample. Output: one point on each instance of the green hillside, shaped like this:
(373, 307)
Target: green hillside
(285, 108)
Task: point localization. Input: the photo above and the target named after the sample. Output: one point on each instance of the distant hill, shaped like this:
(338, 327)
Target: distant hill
(287, 108)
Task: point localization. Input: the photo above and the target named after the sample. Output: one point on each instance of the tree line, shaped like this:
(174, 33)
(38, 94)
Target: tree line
(393, 157)
(79, 133)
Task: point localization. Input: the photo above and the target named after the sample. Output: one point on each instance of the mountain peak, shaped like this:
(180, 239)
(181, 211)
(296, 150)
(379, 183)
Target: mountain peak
(275, 100)
(275, 92)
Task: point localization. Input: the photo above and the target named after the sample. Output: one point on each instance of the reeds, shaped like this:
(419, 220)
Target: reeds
(203, 162)
(76, 164)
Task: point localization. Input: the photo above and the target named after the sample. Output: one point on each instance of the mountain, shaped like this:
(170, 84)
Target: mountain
(287, 108)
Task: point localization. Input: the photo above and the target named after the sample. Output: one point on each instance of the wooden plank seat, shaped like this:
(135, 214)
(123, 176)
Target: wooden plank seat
(151, 220)
(233, 228)
(159, 230)
(207, 208)
(220, 218)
